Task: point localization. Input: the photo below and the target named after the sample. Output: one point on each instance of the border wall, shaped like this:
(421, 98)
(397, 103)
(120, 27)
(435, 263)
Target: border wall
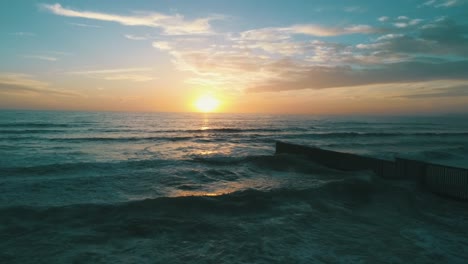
(440, 179)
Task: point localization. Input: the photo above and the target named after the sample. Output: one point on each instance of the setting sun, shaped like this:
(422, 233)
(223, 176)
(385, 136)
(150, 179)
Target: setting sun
(206, 103)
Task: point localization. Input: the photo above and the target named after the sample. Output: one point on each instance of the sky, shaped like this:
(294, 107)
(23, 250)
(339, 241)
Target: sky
(262, 56)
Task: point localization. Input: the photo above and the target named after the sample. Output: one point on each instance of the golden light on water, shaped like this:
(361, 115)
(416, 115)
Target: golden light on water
(207, 103)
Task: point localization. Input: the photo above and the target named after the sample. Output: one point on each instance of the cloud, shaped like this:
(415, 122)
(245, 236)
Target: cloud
(50, 56)
(383, 18)
(285, 33)
(297, 77)
(436, 38)
(325, 65)
(414, 22)
(226, 69)
(19, 83)
(24, 34)
(292, 58)
(129, 77)
(442, 3)
(171, 25)
(133, 37)
(40, 57)
(322, 31)
(400, 24)
(262, 34)
(446, 32)
(456, 91)
(84, 25)
(127, 74)
(162, 45)
(20, 79)
(429, 3)
(105, 71)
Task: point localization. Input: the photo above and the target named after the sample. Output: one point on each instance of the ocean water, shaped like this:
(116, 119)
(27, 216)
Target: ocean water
(84, 187)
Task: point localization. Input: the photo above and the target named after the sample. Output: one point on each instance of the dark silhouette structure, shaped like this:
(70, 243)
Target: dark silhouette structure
(444, 180)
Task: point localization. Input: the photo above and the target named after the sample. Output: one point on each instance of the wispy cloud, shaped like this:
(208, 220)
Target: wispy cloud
(284, 33)
(84, 25)
(40, 57)
(123, 74)
(162, 45)
(50, 56)
(24, 34)
(170, 24)
(434, 38)
(134, 37)
(401, 49)
(416, 21)
(314, 77)
(442, 3)
(322, 31)
(454, 91)
(21, 79)
(275, 59)
(105, 71)
(383, 18)
(19, 83)
(400, 22)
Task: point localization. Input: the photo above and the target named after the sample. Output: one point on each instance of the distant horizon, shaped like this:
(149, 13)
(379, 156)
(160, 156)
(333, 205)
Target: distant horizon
(296, 57)
(409, 115)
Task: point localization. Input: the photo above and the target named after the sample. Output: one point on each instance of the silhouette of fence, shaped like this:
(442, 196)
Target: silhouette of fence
(443, 180)
(447, 180)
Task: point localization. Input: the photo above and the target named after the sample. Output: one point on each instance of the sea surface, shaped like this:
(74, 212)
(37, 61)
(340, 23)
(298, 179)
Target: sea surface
(86, 187)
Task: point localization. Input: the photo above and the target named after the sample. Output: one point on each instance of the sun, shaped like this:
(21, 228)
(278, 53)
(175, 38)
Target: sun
(207, 103)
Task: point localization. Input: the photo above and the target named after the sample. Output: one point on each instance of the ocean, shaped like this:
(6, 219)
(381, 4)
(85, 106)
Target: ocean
(105, 187)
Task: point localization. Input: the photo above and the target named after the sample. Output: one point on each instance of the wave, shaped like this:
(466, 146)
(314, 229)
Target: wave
(439, 154)
(243, 227)
(67, 168)
(19, 138)
(377, 123)
(37, 125)
(120, 139)
(281, 162)
(32, 131)
(352, 189)
(457, 145)
(199, 135)
(163, 138)
(382, 134)
(227, 130)
(201, 138)
(99, 139)
(116, 130)
(276, 161)
(209, 130)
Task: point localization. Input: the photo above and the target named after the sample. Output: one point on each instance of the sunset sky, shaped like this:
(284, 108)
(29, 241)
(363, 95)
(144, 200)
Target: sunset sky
(262, 56)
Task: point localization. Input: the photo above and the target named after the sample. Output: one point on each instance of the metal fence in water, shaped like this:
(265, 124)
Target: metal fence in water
(447, 180)
(440, 179)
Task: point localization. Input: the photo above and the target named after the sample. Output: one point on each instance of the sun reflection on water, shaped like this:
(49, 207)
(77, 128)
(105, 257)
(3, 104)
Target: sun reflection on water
(183, 193)
(214, 190)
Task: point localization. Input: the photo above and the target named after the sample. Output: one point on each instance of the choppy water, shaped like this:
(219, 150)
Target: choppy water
(193, 188)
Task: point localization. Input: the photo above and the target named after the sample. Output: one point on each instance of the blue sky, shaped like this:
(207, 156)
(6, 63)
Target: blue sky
(255, 56)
